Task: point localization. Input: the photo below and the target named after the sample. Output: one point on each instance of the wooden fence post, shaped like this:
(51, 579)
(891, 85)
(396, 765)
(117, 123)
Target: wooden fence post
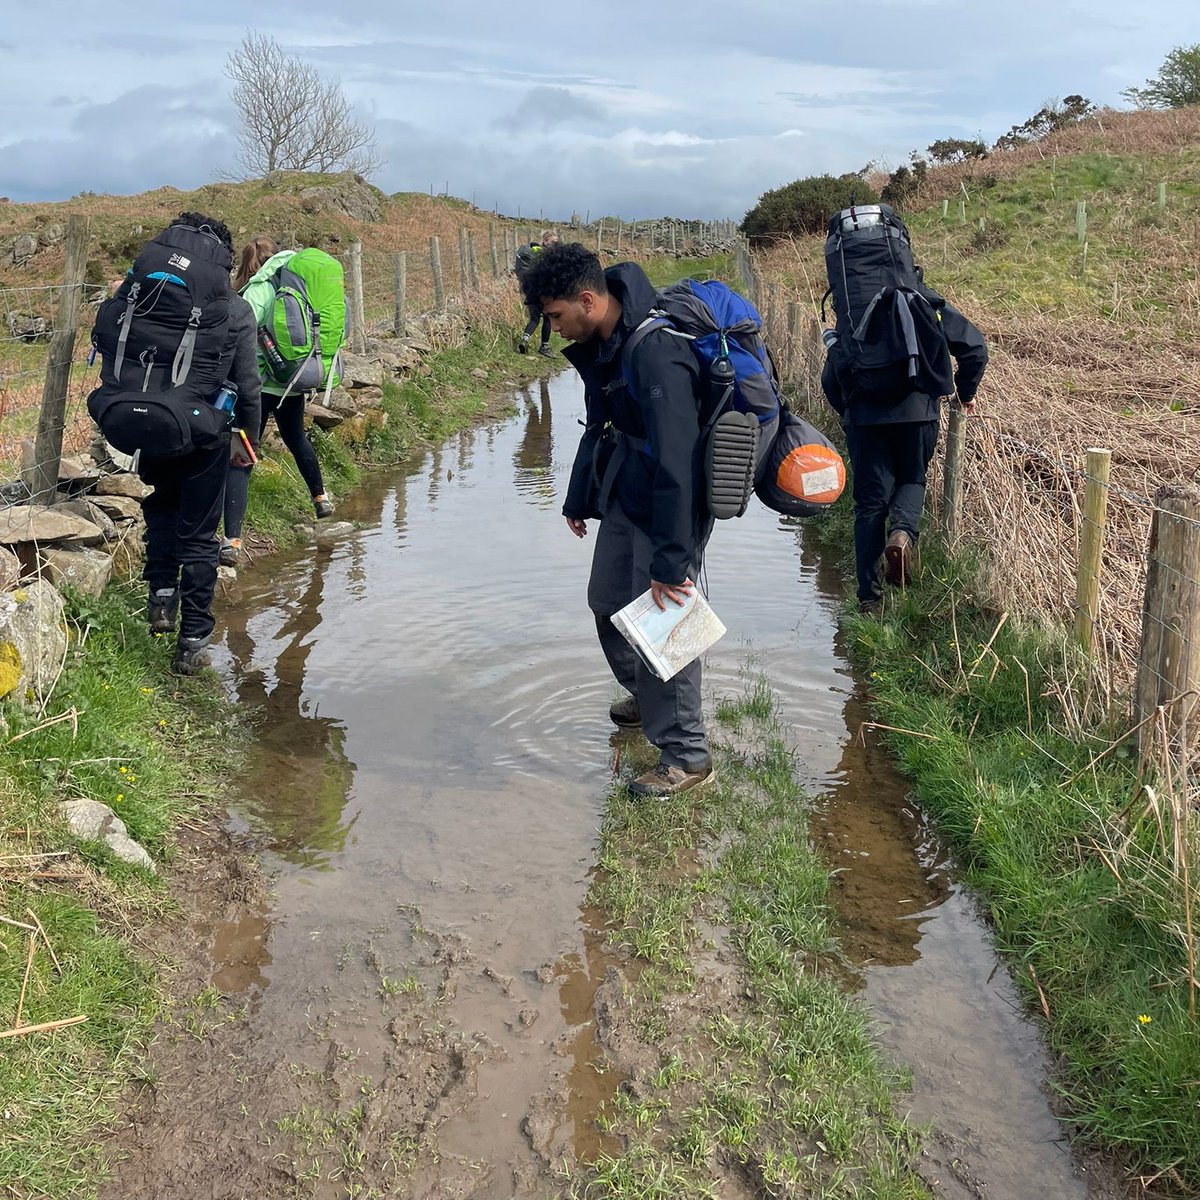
(435, 262)
(357, 340)
(462, 262)
(620, 231)
(472, 262)
(599, 235)
(952, 477)
(52, 419)
(1169, 654)
(793, 340)
(492, 250)
(1091, 546)
(401, 290)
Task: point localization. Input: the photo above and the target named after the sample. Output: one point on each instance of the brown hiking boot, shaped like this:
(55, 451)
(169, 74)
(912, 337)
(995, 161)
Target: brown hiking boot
(670, 781)
(896, 555)
(627, 713)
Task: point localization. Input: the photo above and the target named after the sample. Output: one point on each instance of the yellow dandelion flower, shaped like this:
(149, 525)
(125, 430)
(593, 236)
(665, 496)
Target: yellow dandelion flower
(1144, 1018)
(162, 723)
(146, 691)
(120, 797)
(124, 770)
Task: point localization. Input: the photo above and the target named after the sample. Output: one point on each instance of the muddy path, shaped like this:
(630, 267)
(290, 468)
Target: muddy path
(404, 1001)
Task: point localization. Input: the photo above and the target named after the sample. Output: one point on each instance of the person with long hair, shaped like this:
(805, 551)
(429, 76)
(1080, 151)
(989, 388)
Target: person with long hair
(260, 259)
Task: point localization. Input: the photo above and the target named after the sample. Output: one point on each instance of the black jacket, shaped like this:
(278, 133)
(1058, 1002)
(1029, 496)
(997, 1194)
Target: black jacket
(243, 330)
(659, 479)
(970, 359)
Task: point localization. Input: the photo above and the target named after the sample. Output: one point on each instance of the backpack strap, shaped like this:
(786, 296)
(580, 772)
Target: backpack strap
(126, 321)
(187, 347)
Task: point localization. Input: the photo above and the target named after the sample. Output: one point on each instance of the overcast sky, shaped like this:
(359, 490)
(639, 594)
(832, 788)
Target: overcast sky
(642, 109)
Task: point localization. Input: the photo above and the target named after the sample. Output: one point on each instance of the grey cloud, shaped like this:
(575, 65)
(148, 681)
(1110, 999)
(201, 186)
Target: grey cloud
(141, 140)
(552, 107)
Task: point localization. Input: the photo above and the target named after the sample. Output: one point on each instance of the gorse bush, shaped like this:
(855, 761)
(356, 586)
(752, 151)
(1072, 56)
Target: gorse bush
(804, 206)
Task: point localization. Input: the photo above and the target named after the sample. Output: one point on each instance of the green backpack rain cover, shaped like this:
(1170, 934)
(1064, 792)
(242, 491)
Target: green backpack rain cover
(309, 319)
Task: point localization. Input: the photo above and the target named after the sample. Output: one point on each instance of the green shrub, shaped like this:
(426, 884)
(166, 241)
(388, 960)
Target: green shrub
(804, 206)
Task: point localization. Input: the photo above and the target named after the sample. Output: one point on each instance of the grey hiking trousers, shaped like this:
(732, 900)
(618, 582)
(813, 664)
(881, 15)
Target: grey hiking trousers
(672, 715)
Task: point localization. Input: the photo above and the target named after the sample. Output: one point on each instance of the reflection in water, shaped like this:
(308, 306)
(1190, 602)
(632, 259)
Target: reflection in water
(891, 872)
(300, 777)
(589, 1086)
(534, 456)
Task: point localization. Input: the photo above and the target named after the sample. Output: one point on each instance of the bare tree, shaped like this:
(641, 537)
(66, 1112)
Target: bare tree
(292, 118)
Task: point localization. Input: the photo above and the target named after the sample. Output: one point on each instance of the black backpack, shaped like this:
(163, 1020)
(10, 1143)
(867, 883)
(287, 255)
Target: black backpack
(890, 341)
(166, 347)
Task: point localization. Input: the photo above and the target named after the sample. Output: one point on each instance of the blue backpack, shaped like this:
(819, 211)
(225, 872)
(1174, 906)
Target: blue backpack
(753, 443)
(714, 318)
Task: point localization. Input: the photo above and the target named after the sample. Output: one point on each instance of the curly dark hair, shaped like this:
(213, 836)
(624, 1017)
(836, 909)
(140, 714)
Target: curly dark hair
(561, 273)
(203, 224)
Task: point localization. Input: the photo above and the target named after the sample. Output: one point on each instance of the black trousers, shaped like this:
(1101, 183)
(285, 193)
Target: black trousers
(672, 711)
(890, 464)
(181, 527)
(536, 315)
(289, 416)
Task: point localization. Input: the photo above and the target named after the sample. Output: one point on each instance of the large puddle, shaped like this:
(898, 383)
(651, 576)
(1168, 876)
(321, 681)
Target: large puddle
(432, 761)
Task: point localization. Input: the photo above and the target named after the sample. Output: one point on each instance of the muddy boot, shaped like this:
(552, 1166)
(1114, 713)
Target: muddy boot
(896, 559)
(523, 345)
(162, 610)
(670, 781)
(230, 552)
(191, 656)
(627, 713)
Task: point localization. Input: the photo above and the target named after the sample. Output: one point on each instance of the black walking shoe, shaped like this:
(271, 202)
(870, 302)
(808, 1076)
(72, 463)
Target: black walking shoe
(191, 656)
(670, 781)
(323, 505)
(523, 346)
(230, 552)
(162, 610)
(627, 713)
(545, 351)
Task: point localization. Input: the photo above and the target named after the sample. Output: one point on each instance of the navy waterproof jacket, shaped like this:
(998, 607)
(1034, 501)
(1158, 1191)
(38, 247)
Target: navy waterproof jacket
(657, 469)
(970, 361)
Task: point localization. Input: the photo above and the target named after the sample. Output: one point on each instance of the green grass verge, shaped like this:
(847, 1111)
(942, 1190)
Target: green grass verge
(145, 744)
(1064, 849)
(777, 1083)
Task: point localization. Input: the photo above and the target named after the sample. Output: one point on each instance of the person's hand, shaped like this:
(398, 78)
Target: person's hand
(968, 408)
(677, 593)
(577, 527)
(237, 454)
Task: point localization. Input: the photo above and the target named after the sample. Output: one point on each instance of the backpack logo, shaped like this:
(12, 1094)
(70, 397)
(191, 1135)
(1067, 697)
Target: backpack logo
(177, 260)
(143, 411)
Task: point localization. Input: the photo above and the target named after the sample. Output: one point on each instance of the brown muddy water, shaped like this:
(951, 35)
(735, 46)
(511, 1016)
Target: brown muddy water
(432, 758)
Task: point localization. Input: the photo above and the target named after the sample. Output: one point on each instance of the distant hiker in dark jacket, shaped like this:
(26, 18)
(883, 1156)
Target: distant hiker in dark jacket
(891, 447)
(639, 470)
(183, 511)
(526, 256)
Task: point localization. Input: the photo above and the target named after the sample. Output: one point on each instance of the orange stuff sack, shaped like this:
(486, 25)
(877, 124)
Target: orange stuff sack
(803, 474)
